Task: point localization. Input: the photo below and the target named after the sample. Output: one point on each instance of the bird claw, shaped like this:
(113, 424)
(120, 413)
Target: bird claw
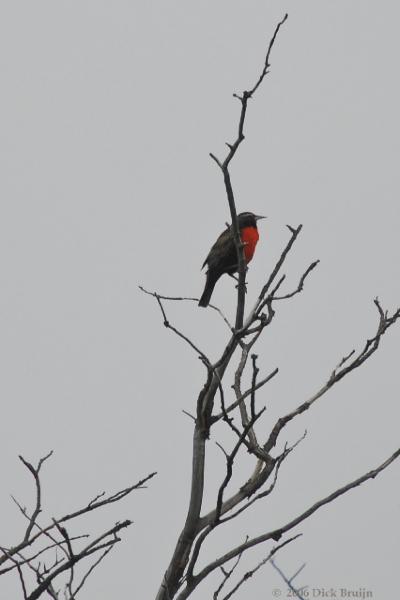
(245, 286)
(237, 279)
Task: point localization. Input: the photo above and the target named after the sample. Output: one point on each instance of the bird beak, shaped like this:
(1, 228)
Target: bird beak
(258, 217)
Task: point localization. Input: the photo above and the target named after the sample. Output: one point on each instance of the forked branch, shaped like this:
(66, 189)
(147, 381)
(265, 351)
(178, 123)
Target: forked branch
(344, 367)
(38, 550)
(224, 166)
(183, 575)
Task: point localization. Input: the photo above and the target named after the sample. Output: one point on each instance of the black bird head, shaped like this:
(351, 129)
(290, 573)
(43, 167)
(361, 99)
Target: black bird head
(248, 219)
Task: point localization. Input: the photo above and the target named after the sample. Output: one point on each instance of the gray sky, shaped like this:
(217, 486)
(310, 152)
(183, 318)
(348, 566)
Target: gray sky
(109, 110)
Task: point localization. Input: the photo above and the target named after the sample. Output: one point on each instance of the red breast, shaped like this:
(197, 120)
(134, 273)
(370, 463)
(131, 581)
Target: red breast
(249, 236)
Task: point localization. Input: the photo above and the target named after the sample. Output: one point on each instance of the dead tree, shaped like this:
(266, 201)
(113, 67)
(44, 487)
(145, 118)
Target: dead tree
(242, 415)
(48, 559)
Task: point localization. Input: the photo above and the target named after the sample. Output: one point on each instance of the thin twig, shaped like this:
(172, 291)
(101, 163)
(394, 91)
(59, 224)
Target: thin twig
(227, 574)
(35, 473)
(300, 286)
(89, 508)
(224, 166)
(90, 571)
(250, 573)
(95, 546)
(168, 325)
(338, 373)
(296, 592)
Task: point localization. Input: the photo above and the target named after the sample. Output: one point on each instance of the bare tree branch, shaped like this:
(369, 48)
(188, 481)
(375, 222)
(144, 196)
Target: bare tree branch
(46, 572)
(224, 166)
(30, 559)
(168, 325)
(93, 505)
(229, 463)
(250, 573)
(277, 533)
(194, 582)
(90, 571)
(99, 543)
(35, 473)
(244, 395)
(19, 569)
(295, 232)
(338, 373)
(173, 576)
(300, 287)
(189, 299)
(227, 574)
(296, 592)
(277, 465)
(181, 578)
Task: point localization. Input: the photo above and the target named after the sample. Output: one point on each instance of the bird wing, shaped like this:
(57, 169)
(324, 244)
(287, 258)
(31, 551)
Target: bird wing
(224, 248)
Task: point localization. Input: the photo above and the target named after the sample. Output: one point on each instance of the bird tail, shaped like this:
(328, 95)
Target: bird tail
(208, 290)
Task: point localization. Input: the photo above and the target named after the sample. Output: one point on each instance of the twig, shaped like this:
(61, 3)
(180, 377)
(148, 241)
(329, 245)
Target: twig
(220, 562)
(288, 582)
(250, 573)
(20, 574)
(294, 234)
(229, 463)
(300, 286)
(253, 385)
(168, 325)
(224, 166)
(189, 299)
(227, 574)
(35, 473)
(266, 64)
(90, 571)
(338, 373)
(95, 546)
(244, 395)
(90, 507)
(277, 533)
(56, 544)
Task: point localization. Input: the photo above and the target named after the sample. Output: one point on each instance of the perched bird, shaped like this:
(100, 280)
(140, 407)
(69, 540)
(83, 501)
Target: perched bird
(222, 257)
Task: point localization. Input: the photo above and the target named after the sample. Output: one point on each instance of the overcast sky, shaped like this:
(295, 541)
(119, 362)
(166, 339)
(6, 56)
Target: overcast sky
(108, 113)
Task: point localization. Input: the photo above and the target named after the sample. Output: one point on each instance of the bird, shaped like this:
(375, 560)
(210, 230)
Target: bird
(222, 257)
